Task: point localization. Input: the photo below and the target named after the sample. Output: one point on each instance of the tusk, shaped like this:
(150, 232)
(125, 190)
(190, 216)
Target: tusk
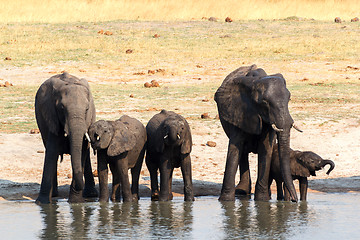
(276, 129)
(178, 136)
(166, 136)
(65, 135)
(98, 138)
(296, 128)
(87, 137)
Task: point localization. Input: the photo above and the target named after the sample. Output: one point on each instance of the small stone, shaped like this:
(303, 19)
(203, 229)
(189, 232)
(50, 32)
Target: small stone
(34, 131)
(228, 19)
(7, 58)
(337, 20)
(147, 85)
(95, 173)
(69, 175)
(205, 116)
(128, 51)
(355, 19)
(131, 95)
(212, 19)
(156, 36)
(154, 83)
(108, 33)
(211, 144)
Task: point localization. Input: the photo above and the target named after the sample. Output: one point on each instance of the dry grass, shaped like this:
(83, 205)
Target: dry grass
(56, 11)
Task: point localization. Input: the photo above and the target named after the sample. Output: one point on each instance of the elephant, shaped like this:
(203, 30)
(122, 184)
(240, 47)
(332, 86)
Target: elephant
(121, 144)
(302, 165)
(64, 109)
(253, 111)
(169, 147)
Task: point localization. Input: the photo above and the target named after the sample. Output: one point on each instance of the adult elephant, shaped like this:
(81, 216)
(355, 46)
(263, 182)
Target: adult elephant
(253, 110)
(64, 109)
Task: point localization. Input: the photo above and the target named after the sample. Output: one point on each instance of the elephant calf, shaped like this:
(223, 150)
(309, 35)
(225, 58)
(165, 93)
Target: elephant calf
(121, 144)
(169, 147)
(302, 165)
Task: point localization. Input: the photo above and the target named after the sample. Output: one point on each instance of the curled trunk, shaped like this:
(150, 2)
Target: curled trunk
(331, 163)
(284, 157)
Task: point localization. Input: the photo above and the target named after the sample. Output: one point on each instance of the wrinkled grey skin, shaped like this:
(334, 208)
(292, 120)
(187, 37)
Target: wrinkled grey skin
(253, 110)
(169, 147)
(302, 165)
(64, 109)
(121, 145)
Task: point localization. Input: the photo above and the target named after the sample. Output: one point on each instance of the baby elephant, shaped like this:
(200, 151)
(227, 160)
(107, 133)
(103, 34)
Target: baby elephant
(302, 165)
(121, 144)
(169, 147)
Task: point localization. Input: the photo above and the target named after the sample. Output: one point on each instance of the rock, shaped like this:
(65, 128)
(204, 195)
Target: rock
(7, 58)
(156, 36)
(69, 176)
(205, 116)
(212, 19)
(147, 85)
(228, 19)
(108, 33)
(131, 95)
(355, 19)
(154, 83)
(337, 20)
(7, 84)
(101, 32)
(151, 71)
(34, 131)
(211, 144)
(95, 173)
(128, 51)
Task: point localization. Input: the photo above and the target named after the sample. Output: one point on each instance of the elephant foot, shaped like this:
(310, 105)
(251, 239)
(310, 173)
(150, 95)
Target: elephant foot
(43, 200)
(262, 197)
(76, 197)
(227, 197)
(90, 192)
(155, 196)
(135, 197)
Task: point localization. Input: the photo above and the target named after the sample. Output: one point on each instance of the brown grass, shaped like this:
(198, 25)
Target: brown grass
(108, 10)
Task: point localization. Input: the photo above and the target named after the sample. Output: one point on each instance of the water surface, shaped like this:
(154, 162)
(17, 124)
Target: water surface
(323, 216)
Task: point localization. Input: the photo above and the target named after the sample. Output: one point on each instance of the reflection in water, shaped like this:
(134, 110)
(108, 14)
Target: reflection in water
(250, 219)
(332, 216)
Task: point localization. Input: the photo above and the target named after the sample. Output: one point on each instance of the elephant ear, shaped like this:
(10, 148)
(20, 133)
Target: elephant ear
(45, 104)
(235, 99)
(122, 141)
(297, 165)
(186, 146)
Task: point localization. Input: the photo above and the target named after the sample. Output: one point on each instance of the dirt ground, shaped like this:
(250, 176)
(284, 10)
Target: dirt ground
(22, 155)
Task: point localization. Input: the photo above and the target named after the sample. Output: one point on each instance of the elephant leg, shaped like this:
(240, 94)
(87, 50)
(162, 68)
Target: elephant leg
(103, 176)
(187, 177)
(123, 170)
(89, 189)
(135, 175)
(49, 170)
(232, 161)
(279, 190)
(264, 161)
(244, 185)
(55, 191)
(286, 193)
(115, 191)
(153, 170)
(165, 171)
(303, 185)
(171, 196)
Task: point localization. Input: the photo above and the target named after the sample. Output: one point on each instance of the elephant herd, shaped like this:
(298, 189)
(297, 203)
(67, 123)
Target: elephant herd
(253, 110)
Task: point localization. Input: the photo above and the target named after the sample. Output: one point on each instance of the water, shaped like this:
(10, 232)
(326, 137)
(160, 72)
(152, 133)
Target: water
(323, 216)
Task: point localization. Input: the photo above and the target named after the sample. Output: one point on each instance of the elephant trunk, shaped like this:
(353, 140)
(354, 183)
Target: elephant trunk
(284, 157)
(77, 131)
(331, 163)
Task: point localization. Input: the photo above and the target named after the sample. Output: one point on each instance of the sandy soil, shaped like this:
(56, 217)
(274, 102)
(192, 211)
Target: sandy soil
(22, 154)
